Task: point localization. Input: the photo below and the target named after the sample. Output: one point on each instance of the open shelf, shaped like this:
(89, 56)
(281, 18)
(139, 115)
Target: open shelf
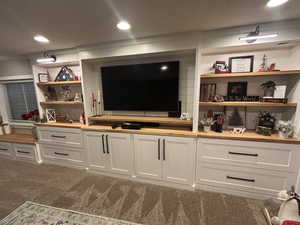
(248, 104)
(253, 74)
(145, 119)
(60, 124)
(62, 103)
(75, 82)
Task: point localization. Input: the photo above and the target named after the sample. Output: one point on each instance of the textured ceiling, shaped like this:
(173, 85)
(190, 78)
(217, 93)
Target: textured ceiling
(72, 23)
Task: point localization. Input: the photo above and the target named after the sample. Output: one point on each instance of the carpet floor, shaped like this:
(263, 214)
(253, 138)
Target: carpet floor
(127, 200)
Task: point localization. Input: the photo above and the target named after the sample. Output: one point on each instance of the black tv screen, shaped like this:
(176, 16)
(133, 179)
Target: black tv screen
(141, 87)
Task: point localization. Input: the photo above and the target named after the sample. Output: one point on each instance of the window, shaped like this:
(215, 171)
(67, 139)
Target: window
(22, 101)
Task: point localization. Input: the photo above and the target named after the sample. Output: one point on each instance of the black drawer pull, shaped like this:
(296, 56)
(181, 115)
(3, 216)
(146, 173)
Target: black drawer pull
(242, 179)
(164, 149)
(103, 146)
(245, 154)
(64, 154)
(23, 152)
(3, 149)
(55, 136)
(158, 153)
(107, 144)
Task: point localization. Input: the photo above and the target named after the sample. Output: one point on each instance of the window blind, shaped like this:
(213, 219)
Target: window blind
(22, 99)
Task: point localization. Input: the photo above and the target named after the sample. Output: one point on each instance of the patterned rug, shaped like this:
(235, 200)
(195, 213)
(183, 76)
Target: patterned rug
(36, 214)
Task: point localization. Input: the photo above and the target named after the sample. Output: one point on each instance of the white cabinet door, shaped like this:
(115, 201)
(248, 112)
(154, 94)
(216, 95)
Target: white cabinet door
(179, 160)
(96, 150)
(148, 160)
(119, 149)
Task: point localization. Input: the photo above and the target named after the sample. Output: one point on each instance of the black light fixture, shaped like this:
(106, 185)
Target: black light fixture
(253, 36)
(47, 58)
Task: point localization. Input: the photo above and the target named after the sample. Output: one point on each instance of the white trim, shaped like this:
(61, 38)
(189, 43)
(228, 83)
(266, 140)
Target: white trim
(16, 77)
(21, 123)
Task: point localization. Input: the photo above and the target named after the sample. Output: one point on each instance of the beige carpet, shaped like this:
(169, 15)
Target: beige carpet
(132, 201)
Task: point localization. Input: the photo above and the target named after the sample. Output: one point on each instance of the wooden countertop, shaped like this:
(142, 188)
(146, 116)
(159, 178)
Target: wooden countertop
(18, 138)
(154, 131)
(57, 124)
(248, 136)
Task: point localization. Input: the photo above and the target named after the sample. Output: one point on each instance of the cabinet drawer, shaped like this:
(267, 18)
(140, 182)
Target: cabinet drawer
(24, 152)
(61, 136)
(255, 154)
(6, 150)
(62, 155)
(243, 179)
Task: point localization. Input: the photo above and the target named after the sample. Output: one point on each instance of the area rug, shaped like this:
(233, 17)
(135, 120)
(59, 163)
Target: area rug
(36, 214)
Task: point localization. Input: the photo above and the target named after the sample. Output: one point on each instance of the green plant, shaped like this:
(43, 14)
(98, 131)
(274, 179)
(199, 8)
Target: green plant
(207, 121)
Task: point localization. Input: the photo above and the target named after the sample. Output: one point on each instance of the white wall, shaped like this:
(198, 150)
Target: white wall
(15, 67)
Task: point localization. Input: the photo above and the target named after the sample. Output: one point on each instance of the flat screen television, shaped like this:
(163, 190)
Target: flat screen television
(141, 87)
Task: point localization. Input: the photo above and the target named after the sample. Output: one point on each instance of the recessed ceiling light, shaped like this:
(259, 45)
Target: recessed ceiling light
(41, 38)
(164, 67)
(274, 3)
(123, 25)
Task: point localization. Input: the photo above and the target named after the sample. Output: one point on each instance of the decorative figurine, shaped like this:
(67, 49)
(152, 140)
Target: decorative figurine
(51, 115)
(77, 97)
(220, 119)
(220, 67)
(263, 66)
(285, 129)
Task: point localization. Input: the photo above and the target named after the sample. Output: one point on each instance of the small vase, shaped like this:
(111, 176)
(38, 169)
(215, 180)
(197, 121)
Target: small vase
(7, 129)
(283, 135)
(206, 128)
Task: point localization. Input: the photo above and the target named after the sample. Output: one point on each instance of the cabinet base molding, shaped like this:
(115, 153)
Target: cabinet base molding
(232, 191)
(134, 178)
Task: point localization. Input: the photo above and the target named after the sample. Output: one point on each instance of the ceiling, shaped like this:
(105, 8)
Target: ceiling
(73, 23)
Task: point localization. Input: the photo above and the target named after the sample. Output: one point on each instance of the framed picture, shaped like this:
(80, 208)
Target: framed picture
(43, 77)
(241, 64)
(237, 90)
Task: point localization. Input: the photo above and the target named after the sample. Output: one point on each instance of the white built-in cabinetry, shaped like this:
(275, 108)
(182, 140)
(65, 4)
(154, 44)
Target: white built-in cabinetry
(62, 146)
(109, 152)
(170, 159)
(253, 169)
(23, 152)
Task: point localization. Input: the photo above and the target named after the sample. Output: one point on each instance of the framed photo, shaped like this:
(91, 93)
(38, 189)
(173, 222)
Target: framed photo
(43, 77)
(241, 64)
(237, 90)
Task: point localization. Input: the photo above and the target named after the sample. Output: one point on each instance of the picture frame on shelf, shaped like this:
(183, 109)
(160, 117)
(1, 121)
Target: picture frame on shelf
(43, 77)
(241, 64)
(237, 90)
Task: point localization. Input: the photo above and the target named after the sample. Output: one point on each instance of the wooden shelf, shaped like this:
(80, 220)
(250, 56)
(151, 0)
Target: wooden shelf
(248, 104)
(249, 135)
(150, 131)
(18, 138)
(149, 119)
(253, 74)
(62, 103)
(58, 124)
(75, 82)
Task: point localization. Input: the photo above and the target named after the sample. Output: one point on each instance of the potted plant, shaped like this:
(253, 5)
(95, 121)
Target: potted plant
(285, 129)
(207, 123)
(269, 88)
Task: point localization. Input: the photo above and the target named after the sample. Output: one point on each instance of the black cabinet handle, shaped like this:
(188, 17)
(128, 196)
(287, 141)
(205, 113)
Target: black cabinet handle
(23, 152)
(58, 153)
(244, 154)
(164, 149)
(55, 136)
(158, 154)
(3, 149)
(103, 146)
(242, 179)
(107, 146)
